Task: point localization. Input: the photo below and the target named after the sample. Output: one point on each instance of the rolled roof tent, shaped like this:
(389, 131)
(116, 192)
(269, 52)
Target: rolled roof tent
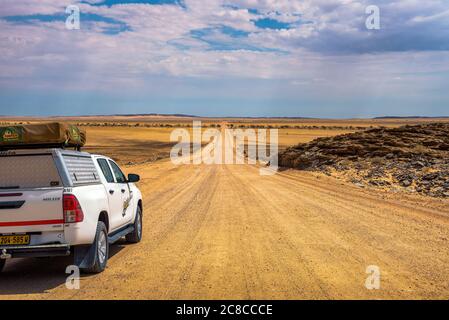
(55, 134)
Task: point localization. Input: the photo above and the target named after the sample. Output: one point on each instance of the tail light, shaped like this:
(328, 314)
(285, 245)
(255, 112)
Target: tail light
(72, 209)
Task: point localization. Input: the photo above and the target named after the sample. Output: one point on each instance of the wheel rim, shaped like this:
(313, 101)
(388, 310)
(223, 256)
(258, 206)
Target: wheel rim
(139, 225)
(102, 247)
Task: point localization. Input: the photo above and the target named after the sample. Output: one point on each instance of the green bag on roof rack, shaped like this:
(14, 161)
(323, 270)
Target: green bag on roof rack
(55, 134)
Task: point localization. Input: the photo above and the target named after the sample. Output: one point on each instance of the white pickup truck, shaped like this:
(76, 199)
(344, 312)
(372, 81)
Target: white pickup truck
(57, 202)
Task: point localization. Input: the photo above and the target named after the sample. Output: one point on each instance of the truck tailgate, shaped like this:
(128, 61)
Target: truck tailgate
(31, 210)
(30, 193)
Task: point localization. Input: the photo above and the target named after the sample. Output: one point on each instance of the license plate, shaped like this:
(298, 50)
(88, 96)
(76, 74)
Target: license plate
(14, 240)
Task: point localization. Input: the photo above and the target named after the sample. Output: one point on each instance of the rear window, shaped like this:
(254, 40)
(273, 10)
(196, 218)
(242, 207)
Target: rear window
(30, 171)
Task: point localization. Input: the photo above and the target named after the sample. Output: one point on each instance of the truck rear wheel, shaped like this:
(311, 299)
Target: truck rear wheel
(2, 264)
(136, 235)
(101, 244)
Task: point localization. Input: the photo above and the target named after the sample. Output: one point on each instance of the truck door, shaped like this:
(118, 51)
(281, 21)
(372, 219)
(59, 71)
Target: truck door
(127, 210)
(113, 190)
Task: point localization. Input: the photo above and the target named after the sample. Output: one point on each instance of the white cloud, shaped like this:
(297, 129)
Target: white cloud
(159, 43)
(29, 7)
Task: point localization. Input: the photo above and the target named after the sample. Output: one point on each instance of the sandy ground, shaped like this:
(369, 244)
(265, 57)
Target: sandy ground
(129, 145)
(226, 232)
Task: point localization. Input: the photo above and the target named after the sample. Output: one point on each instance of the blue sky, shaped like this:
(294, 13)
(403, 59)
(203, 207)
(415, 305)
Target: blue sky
(312, 58)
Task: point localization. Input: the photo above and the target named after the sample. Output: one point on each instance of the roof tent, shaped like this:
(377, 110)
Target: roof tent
(42, 135)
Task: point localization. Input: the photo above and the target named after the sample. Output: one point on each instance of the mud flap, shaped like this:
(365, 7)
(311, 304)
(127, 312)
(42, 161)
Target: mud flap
(84, 256)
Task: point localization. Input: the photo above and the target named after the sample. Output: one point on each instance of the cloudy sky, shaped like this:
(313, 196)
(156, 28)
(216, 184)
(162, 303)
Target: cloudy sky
(312, 58)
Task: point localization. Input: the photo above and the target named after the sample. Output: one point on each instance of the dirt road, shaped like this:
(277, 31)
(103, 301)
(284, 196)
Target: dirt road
(224, 231)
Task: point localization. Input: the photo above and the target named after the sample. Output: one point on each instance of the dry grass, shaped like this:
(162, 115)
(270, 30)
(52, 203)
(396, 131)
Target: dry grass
(289, 137)
(129, 145)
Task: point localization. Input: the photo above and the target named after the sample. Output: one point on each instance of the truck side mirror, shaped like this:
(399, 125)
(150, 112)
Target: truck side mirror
(133, 177)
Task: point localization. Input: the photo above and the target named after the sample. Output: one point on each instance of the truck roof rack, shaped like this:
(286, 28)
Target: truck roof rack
(42, 135)
(39, 146)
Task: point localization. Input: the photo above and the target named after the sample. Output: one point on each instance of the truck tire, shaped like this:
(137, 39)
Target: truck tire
(101, 244)
(136, 235)
(2, 264)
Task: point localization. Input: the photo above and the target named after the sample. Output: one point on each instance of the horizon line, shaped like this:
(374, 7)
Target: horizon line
(180, 115)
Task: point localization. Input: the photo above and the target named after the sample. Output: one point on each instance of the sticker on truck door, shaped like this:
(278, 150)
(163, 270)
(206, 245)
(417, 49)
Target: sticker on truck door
(126, 204)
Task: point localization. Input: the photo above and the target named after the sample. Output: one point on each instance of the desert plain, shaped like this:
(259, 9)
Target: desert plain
(226, 232)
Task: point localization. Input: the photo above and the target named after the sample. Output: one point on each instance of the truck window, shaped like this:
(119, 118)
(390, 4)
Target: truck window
(81, 169)
(106, 170)
(119, 176)
(28, 171)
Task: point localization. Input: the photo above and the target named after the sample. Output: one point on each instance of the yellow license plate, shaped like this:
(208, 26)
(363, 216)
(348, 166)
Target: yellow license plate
(14, 240)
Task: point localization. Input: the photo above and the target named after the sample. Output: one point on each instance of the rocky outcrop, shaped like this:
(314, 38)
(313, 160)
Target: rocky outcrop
(415, 158)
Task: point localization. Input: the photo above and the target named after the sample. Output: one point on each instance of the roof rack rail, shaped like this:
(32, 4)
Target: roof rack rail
(39, 146)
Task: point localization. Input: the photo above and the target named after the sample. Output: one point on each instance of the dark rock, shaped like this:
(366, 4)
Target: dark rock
(406, 183)
(431, 176)
(419, 164)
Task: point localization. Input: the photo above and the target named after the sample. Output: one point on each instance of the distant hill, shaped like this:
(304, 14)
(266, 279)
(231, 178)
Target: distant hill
(180, 115)
(410, 117)
(133, 115)
(186, 116)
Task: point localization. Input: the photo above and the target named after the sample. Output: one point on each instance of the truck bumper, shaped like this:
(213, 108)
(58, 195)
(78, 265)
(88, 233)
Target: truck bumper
(52, 250)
